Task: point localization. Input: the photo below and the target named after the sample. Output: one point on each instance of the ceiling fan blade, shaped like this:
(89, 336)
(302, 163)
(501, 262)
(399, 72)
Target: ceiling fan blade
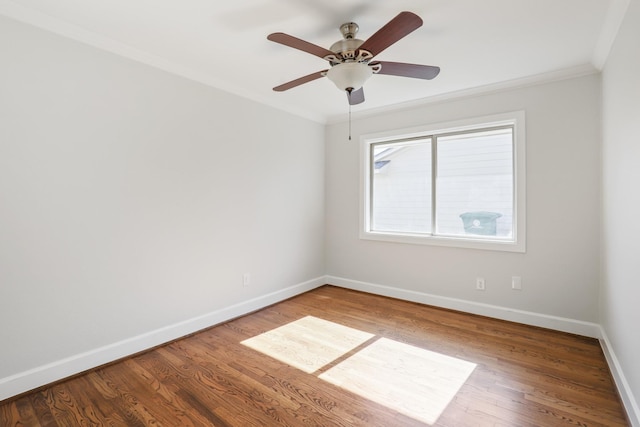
(300, 44)
(416, 71)
(297, 82)
(356, 97)
(394, 30)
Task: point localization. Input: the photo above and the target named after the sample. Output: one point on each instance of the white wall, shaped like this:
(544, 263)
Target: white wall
(560, 268)
(132, 199)
(620, 296)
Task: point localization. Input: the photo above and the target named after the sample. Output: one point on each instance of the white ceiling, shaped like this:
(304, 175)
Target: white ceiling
(477, 44)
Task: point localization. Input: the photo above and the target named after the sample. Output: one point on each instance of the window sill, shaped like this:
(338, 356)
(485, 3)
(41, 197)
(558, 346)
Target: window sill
(447, 241)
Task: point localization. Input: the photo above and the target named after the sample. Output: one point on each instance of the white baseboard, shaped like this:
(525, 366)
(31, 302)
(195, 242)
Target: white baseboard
(526, 317)
(626, 395)
(60, 369)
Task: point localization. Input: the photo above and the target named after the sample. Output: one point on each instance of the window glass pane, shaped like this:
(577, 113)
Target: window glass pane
(401, 187)
(474, 191)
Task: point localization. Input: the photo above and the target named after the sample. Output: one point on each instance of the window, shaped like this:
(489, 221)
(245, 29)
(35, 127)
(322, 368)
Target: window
(456, 184)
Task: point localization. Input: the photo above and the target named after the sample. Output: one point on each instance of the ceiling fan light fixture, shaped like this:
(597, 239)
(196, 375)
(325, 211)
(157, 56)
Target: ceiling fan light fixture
(349, 76)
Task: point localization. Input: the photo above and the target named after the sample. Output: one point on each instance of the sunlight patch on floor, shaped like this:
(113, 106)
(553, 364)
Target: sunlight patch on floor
(411, 380)
(415, 382)
(308, 343)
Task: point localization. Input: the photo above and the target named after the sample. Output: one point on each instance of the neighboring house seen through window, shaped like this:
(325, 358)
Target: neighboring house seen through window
(460, 184)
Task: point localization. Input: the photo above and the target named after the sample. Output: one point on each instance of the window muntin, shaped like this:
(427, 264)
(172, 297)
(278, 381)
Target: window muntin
(467, 184)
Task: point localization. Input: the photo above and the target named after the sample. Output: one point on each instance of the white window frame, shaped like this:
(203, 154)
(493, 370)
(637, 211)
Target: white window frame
(516, 244)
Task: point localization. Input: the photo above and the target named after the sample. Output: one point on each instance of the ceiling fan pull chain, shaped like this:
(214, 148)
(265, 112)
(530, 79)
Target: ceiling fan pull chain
(349, 120)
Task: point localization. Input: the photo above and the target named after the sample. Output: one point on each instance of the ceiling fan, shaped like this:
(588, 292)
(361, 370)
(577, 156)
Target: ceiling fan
(351, 58)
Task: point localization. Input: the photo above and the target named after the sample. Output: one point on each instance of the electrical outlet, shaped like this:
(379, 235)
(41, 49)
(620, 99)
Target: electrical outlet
(246, 279)
(516, 283)
(480, 284)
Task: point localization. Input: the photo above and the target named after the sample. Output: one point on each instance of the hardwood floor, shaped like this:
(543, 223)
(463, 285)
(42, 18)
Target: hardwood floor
(523, 376)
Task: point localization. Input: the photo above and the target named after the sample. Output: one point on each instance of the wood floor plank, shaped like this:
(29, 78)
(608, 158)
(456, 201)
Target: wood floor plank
(26, 412)
(41, 408)
(523, 376)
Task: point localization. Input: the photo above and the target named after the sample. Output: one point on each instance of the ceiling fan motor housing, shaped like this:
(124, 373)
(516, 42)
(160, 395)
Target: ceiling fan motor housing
(347, 48)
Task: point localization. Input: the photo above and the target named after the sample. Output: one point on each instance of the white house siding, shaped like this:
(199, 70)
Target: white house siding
(475, 175)
(402, 190)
